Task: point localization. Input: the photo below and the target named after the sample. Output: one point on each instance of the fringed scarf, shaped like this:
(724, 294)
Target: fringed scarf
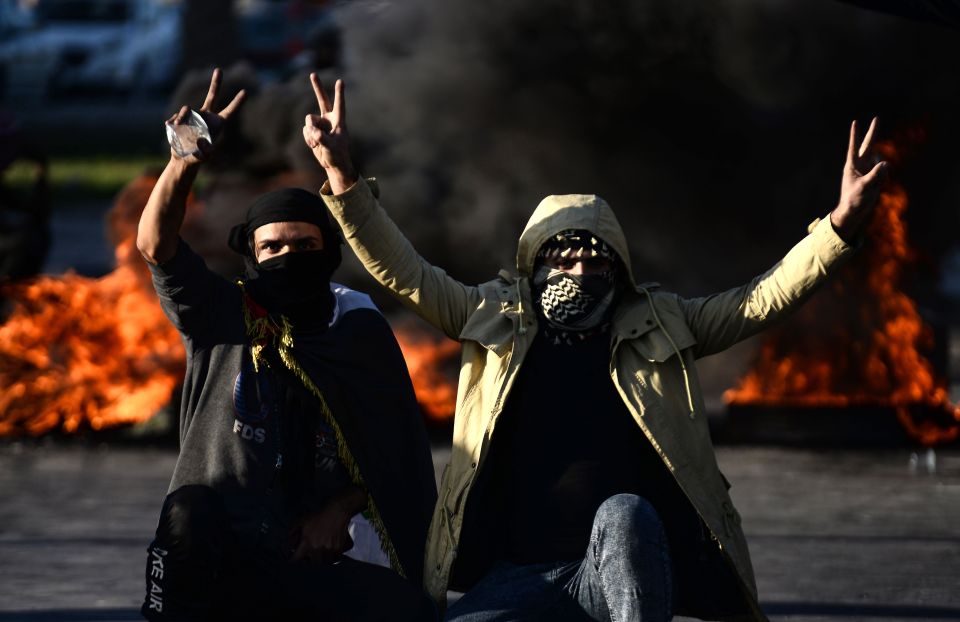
(265, 333)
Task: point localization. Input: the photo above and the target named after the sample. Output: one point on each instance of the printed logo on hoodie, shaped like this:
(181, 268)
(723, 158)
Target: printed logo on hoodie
(254, 401)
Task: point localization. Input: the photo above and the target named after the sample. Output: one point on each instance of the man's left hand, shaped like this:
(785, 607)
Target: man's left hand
(863, 177)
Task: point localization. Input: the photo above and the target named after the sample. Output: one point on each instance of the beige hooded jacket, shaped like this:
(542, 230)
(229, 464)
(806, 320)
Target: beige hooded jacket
(656, 337)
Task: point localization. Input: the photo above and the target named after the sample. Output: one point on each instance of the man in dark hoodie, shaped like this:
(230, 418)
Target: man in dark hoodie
(582, 483)
(304, 485)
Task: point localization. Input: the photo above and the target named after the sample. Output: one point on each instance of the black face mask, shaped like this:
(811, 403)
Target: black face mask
(296, 285)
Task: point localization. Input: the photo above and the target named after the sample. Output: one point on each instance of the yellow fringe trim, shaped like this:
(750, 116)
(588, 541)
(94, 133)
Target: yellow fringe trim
(261, 332)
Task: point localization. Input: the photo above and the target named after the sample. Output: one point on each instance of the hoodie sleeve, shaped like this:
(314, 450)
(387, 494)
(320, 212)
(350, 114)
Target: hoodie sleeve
(194, 299)
(721, 320)
(389, 257)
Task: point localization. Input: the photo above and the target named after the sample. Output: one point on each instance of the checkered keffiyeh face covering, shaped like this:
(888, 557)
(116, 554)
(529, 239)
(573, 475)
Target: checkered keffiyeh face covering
(575, 306)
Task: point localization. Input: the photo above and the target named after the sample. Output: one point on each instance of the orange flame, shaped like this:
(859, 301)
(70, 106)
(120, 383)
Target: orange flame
(430, 360)
(860, 341)
(81, 353)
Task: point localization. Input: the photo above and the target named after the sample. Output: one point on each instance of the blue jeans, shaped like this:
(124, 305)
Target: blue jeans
(625, 576)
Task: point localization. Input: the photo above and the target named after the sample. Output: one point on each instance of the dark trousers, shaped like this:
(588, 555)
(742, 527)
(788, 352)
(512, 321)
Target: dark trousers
(196, 570)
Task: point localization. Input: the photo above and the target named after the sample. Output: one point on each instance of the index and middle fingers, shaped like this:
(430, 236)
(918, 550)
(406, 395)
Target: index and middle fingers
(234, 104)
(322, 99)
(868, 139)
(212, 91)
(854, 154)
(339, 100)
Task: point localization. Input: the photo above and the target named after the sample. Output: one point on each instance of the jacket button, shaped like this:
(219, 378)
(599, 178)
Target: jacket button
(473, 465)
(649, 322)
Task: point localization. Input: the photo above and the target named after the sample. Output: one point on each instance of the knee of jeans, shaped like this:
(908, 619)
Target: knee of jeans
(191, 514)
(629, 512)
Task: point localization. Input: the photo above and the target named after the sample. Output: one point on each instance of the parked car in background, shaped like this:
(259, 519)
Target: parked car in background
(92, 46)
(283, 36)
(15, 16)
(62, 48)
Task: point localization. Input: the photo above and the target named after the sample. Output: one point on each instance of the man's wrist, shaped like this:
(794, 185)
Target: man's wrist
(341, 179)
(841, 226)
(182, 167)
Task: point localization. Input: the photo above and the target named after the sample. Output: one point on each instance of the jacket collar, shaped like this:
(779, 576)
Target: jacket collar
(631, 318)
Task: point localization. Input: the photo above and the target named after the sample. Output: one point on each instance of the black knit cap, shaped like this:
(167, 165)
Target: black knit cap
(284, 205)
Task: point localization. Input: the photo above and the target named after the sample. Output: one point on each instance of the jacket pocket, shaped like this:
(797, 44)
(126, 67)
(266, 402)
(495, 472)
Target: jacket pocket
(452, 501)
(490, 326)
(655, 345)
(444, 505)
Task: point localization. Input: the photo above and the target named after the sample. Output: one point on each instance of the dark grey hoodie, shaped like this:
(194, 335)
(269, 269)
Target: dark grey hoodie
(231, 420)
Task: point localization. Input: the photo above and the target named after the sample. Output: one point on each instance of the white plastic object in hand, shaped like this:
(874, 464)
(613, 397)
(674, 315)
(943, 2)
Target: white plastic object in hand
(183, 137)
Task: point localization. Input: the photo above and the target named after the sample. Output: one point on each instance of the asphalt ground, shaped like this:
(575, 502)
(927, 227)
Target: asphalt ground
(835, 535)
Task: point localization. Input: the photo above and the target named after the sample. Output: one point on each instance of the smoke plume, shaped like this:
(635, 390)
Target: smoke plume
(717, 130)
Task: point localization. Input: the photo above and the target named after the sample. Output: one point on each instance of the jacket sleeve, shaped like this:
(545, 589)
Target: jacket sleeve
(721, 320)
(390, 259)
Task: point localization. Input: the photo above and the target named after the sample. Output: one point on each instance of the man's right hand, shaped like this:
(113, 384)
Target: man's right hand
(324, 535)
(159, 231)
(214, 120)
(326, 135)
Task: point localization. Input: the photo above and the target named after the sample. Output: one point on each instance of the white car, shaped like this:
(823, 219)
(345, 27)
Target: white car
(94, 46)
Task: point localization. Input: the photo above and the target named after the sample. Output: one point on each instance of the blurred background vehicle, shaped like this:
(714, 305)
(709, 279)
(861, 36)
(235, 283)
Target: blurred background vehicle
(282, 36)
(95, 48)
(14, 17)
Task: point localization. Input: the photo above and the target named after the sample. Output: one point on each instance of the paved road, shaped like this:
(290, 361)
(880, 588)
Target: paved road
(843, 535)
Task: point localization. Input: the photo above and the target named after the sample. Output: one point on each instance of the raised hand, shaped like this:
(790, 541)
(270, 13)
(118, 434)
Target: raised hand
(326, 135)
(214, 120)
(863, 177)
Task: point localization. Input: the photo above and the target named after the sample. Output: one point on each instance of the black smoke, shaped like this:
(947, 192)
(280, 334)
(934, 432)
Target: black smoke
(717, 130)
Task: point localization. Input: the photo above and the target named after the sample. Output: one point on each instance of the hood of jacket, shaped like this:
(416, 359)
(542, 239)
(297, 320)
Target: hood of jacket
(560, 212)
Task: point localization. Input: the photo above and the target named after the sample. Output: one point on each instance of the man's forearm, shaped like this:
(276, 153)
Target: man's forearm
(162, 217)
(721, 320)
(390, 259)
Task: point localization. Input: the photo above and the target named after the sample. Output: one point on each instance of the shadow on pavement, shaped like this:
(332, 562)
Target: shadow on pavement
(842, 610)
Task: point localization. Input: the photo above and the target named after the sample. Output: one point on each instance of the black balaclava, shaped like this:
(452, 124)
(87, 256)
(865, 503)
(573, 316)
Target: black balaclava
(295, 284)
(575, 307)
